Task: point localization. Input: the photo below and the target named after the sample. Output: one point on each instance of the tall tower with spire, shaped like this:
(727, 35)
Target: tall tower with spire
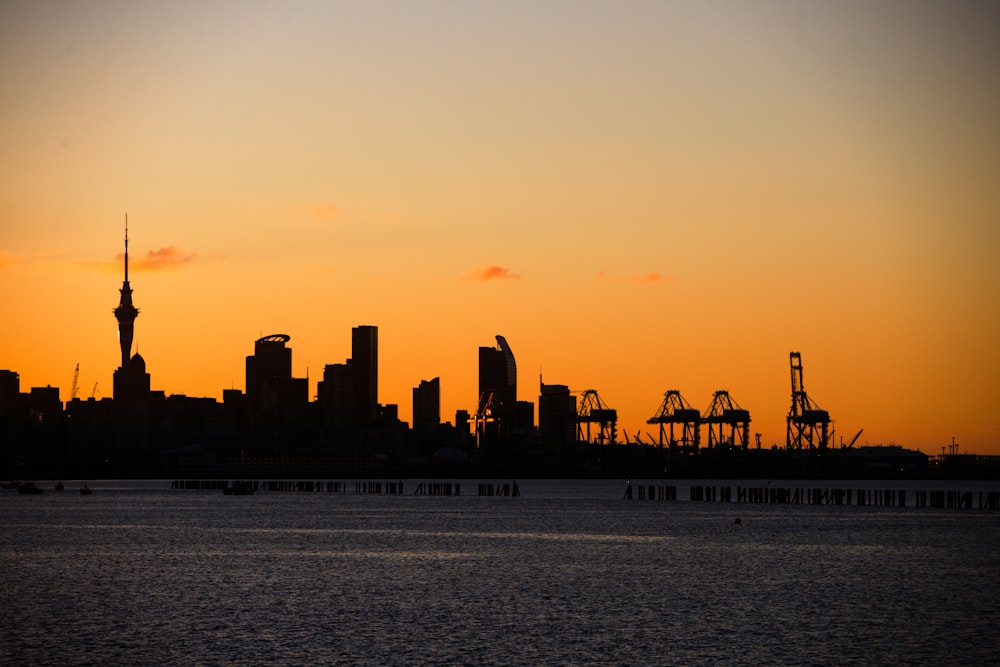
(131, 379)
(126, 313)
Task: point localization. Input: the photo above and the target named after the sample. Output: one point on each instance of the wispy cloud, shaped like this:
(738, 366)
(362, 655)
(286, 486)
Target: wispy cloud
(169, 257)
(652, 277)
(164, 258)
(492, 272)
(7, 259)
(640, 279)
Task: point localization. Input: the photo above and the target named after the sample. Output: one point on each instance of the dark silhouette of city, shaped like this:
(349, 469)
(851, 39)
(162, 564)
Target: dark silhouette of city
(272, 429)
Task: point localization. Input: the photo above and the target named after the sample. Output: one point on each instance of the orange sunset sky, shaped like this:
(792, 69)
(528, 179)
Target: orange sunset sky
(640, 196)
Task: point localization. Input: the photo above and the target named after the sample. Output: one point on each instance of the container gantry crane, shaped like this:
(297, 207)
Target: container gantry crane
(593, 410)
(808, 425)
(722, 413)
(675, 411)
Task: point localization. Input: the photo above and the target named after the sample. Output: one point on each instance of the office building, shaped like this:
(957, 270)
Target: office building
(496, 413)
(271, 390)
(364, 370)
(427, 404)
(335, 394)
(556, 414)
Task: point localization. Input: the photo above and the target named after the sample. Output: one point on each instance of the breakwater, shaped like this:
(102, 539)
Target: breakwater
(781, 495)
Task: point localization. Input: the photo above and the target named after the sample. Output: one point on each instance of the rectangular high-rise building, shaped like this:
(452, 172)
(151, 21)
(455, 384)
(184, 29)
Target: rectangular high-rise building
(336, 395)
(556, 414)
(427, 404)
(364, 369)
(267, 368)
(10, 388)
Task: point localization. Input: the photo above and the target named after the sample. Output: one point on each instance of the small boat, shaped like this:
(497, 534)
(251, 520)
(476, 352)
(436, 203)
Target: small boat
(85, 490)
(59, 486)
(28, 488)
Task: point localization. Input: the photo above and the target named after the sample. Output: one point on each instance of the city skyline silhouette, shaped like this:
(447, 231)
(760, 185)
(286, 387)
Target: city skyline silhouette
(347, 396)
(277, 427)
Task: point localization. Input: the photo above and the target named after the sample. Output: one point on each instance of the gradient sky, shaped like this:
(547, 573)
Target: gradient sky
(640, 196)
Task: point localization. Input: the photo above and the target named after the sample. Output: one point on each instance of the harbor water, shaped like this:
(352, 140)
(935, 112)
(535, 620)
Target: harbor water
(568, 573)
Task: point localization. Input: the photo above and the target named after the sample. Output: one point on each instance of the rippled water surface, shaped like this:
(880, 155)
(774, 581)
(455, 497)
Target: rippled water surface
(568, 573)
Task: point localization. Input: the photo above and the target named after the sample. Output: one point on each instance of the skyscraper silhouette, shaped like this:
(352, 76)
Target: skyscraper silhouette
(497, 394)
(271, 389)
(498, 375)
(427, 404)
(335, 394)
(364, 369)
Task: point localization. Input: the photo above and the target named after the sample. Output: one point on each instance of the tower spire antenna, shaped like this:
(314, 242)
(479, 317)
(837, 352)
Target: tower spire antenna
(126, 246)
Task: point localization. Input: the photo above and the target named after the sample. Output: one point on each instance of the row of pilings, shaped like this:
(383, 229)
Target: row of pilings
(488, 489)
(776, 495)
(357, 488)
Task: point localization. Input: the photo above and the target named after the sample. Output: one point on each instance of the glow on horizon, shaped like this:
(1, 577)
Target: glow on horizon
(639, 198)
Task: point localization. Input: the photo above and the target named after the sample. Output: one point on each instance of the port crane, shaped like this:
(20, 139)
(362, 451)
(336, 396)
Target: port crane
(728, 423)
(593, 410)
(677, 412)
(808, 425)
(853, 440)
